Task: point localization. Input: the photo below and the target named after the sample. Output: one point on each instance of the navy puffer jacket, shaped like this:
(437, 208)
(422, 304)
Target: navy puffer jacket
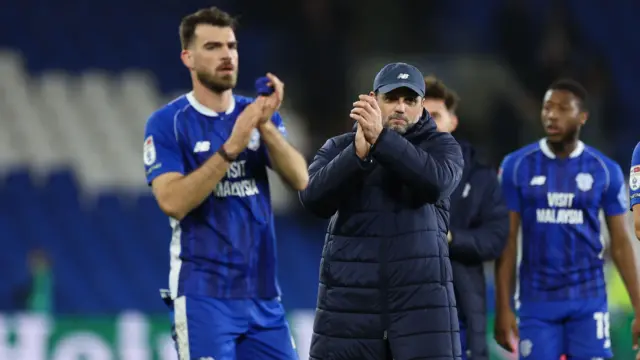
(385, 278)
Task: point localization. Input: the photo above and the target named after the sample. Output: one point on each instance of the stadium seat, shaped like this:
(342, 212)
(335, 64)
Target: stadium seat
(109, 250)
(71, 132)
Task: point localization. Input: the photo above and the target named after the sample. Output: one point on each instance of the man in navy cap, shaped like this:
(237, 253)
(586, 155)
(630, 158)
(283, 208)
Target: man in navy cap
(386, 287)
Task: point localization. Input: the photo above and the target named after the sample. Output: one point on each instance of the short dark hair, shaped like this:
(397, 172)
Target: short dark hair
(574, 88)
(436, 89)
(210, 16)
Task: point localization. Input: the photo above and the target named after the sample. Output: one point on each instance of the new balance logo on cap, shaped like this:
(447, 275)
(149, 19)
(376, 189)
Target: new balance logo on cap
(399, 75)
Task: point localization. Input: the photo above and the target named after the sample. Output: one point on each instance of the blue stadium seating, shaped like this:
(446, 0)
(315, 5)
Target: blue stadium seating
(610, 30)
(75, 36)
(110, 251)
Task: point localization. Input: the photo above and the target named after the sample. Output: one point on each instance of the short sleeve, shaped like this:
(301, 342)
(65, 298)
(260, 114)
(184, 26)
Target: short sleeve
(614, 201)
(634, 178)
(161, 152)
(508, 183)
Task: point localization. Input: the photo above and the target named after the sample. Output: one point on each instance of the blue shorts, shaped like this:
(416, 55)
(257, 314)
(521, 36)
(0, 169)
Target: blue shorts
(578, 329)
(230, 329)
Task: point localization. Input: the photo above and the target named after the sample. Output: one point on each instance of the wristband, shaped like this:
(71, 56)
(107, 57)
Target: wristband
(228, 158)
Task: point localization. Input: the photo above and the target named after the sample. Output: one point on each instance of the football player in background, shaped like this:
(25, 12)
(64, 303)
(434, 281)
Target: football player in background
(206, 156)
(554, 190)
(634, 188)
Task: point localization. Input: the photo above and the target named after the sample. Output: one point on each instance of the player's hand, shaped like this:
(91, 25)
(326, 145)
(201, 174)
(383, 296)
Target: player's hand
(367, 113)
(273, 101)
(506, 328)
(246, 122)
(362, 146)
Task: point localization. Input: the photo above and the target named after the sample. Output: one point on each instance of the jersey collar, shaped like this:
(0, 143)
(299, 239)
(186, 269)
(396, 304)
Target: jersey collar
(544, 147)
(205, 110)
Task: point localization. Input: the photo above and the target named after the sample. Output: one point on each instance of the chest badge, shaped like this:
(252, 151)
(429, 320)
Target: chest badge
(584, 181)
(254, 142)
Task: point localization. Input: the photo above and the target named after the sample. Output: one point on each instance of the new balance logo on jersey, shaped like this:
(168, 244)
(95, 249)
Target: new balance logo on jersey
(202, 146)
(538, 180)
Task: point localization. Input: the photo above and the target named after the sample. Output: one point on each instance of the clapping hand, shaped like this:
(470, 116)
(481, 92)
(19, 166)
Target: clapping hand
(273, 101)
(245, 124)
(362, 146)
(368, 115)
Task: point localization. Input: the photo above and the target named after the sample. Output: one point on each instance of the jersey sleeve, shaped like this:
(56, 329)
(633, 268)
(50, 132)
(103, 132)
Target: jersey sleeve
(634, 178)
(509, 182)
(161, 151)
(614, 200)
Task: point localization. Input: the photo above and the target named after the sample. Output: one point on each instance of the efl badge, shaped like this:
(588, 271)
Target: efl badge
(634, 178)
(149, 151)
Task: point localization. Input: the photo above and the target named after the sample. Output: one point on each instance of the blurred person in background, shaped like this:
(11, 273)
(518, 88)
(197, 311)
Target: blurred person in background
(386, 186)
(634, 187)
(479, 225)
(555, 189)
(206, 156)
(36, 294)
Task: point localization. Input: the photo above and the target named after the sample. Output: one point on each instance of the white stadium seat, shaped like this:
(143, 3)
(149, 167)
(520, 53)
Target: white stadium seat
(93, 122)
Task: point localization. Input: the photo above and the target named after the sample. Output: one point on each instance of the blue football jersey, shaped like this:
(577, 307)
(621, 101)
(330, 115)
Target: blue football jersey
(225, 248)
(634, 177)
(559, 201)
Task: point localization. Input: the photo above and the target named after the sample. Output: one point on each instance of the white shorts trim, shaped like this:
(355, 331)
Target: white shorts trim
(181, 329)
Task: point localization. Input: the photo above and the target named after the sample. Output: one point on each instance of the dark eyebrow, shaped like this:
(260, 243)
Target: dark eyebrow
(219, 43)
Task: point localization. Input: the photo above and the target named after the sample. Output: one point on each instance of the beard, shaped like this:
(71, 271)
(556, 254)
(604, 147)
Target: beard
(217, 83)
(399, 127)
(559, 143)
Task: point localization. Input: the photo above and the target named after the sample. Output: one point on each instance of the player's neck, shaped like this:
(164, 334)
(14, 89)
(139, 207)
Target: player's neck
(563, 149)
(218, 102)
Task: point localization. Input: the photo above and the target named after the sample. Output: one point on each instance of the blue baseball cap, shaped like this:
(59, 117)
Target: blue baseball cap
(397, 75)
